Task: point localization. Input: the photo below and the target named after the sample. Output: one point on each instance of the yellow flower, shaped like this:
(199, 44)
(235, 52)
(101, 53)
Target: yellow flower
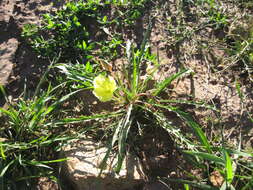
(104, 86)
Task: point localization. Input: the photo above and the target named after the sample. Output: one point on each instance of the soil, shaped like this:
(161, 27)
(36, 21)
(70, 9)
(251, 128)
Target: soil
(211, 81)
(18, 62)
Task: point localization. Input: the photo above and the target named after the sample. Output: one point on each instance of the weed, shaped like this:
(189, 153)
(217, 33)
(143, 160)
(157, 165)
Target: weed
(66, 33)
(216, 15)
(241, 49)
(135, 101)
(69, 32)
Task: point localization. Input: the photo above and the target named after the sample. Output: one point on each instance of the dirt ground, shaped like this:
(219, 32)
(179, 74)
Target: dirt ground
(18, 62)
(211, 81)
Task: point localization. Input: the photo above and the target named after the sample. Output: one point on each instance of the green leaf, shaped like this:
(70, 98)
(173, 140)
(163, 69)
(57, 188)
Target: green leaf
(86, 118)
(238, 89)
(186, 187)
(206, 156)
(136, 71)
(55, 104)
(236, 152)
(4, 93)
(104, 19)
(6, 168)
(111, 145)
(137, 58)
(84, 45)
(38, 163)
(120, 135)
(2, 152)
(12, 114)
(172, 130)
(229, 168)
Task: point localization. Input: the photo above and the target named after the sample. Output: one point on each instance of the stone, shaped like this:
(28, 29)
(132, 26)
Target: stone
(83, 168)
(45, 183)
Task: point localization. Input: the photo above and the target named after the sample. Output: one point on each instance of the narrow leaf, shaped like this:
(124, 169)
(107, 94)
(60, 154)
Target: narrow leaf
(85, 118)
(162, 85)
(2, 152)
(190, 122)
(229, 168)
(6, 168)
(206, 156)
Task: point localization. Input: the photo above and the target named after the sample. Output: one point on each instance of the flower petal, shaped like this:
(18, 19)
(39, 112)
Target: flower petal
(104, 87)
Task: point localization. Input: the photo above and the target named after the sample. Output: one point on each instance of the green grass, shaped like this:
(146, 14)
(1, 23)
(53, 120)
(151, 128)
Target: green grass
(29, 130)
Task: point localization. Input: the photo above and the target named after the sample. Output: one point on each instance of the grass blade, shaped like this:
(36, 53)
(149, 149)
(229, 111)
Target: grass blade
(6, 168)
(135, 78)
(229, 168)
(120, 135)
(38, 163)
(190, 122)
(4, 94)
(206, 156)
(162, 85)
(85, 118)
(64, 98)
(2, 152)
(111, 145)
(138, 56)
(43, 78)
(11, 114)
(173, 131)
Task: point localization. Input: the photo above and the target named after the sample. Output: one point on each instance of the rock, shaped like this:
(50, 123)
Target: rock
(82, 168)
(216, 178)
(45, 183)
(7, 56)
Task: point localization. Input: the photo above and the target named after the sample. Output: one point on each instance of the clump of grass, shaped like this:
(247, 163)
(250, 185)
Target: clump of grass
(31, 134)
(228, 163)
